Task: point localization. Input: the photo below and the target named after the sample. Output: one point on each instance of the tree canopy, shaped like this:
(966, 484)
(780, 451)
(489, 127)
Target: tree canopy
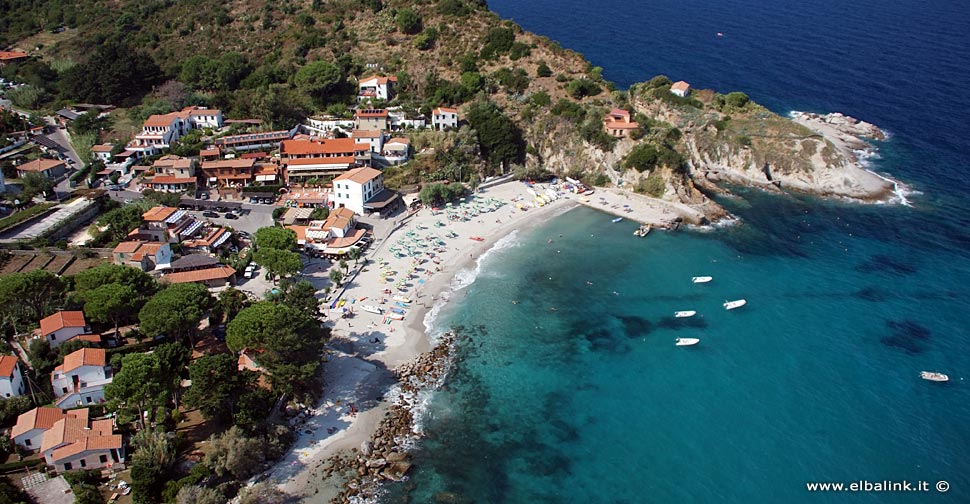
(175, 311)
(287, 344)
(219, 389)
(318, 79)
(115, 73)
(29, 297)
(118, 223)
(275, 237)
(139, 386)
(279, 262)
(112, 303)
(500, 139)
(140, 282)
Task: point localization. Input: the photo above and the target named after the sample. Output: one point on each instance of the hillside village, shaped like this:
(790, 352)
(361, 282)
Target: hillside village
(174, 249)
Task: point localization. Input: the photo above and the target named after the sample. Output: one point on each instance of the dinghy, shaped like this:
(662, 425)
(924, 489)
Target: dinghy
(687, 341)
(701, 279)
(371, 309)
(685, 313)
(933, 376)
(730, 305)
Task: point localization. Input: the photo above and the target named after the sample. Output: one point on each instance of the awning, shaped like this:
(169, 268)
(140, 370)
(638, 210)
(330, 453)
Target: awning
(222, 239)
(189, 231)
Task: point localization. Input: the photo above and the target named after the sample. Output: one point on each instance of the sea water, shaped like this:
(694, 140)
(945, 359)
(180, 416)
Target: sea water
(576, 392)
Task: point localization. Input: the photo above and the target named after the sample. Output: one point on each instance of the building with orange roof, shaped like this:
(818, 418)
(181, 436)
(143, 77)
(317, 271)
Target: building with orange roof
(376, 87)
(62, 326)
(166, 224)
(444, 118)
(7, 57)
(333, 236)
(50, 168)
(146, 256)
(210, 241)
(211, 154)
(160, 130)
(219, 276)
(228, 172)
(266, 173)
(617, 123)
(371, 119)
(680, 88)
(11, 379)
(102, 152)
(315, 158)
(396, 150)
(253, 141)
(79, 443)
(31, 425)
(362, 190)
(81, 379)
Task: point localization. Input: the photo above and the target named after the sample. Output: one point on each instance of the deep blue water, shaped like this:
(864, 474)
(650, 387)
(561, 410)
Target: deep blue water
(816, 379)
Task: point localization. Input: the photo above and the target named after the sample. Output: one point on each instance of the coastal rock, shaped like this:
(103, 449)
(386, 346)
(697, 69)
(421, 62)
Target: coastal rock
(376, 463)
(397, 470)
(366, 448)
(396, 457)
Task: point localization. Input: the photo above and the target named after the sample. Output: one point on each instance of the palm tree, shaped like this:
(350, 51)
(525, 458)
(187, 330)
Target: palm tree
(354, 253)
(336, 276)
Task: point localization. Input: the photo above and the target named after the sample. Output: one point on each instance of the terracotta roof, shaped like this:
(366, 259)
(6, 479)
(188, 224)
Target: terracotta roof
(173, 162)
(60, 320)
(307, 147)
(87, 443)
(229, 163)
(371, 113)
(380, 79)
(300, 232)
(7, 364)
(12, 55)
(151, 248)
(334, 160)
(621, 125)
(91, 338)
(102, 148)
(83, 357)
(210, 152)
(72, 435)
(171, 179)
(254, 155)
(442, 110)
(163, 120)
(39, 165)
(266, 169)
(367, 134)
(158, 214)
(680, 86)
(41, 418)
(399, 140)
(202, 275)
(201, 111)
(127, 247)
(619, 112)
(359, 175)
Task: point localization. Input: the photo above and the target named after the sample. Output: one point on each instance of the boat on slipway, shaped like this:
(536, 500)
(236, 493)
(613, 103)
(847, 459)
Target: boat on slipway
(687, 341)
(371, 309)
(685, 314)
(701, 279)
(730, 305)
(934, 376)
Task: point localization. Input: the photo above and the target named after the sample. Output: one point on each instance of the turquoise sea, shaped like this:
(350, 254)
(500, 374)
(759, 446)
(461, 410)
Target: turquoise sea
(577, 392)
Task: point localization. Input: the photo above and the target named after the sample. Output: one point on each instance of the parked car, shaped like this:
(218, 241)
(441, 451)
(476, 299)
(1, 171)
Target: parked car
(204, 195)
(230, 215)
(210, 214)
(250, 270)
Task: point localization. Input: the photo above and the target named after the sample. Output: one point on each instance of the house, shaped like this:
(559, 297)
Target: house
(7, 57)
(210, 154)
(372, 139)
(173, 174)
(81, 379)
(218, 276)
(31, 425)
(361, 190)
(375, 87)
(211, 242)
(76, 442)
(50, 168)
(62, 326)
(11, 380)
(680, 88)
(324, 125)
(191, 262)
(266, 173)
(308, 159)
(255, 141)
(444, 117)
(247, 361)
(617, 123)
(228, 172)
(146, 256)
(102, 152)
(371, 119)
(165, 224)
(333, 236)
(160, 130)
(399, 119)
(396, 150)
(202, 117)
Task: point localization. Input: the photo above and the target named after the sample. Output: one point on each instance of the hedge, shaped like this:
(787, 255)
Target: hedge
(17, 218)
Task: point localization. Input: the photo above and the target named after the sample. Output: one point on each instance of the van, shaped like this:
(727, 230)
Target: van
(249, 271)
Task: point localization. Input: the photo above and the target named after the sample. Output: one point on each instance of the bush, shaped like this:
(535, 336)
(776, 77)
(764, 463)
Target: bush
(498, 41)
(438, 194)
(518, 51)
(647, 156)
(652, 185)
(660, 81)
(566, 108)
(408, 21)
(581, 88)
(453, 8)
(744, 140)
(736, 99)
(543, 70)
(426, 39)
(541, 99)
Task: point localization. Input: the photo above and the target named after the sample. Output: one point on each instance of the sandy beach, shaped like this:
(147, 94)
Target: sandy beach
(366, 347)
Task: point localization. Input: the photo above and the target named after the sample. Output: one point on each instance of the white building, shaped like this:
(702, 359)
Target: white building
(160, 130)
(399, 119)
(102, 153)
(11, 380)
(376, 87)
(31, 425)
(323, 125)
(355, 187)
(680, 88)
(81, 379)
(75, 442)
(396, 150)
(444, 117)
(374, 140)
(62, 326)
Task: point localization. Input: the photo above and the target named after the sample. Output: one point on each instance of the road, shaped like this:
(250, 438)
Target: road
(251, 218)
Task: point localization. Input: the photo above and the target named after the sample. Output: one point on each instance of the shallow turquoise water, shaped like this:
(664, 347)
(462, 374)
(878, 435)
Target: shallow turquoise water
(815, 379)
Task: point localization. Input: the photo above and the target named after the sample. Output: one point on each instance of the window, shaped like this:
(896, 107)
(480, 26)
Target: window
(83, 463)
(63, 390)
(68, 466)
(27, 442)
(89, 400)
(103, 459)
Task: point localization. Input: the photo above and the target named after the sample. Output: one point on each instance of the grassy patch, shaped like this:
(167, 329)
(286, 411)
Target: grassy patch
(23, 215)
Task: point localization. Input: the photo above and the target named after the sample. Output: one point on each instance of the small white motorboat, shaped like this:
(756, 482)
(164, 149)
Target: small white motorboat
(730, 305)
(933, 376)
(701, 279)
(402, 299)
(685, 313)
(687, 341)
(371, 309)
(618, 219)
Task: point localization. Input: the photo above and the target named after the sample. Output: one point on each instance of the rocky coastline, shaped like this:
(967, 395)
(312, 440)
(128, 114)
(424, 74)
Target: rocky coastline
(384, 457)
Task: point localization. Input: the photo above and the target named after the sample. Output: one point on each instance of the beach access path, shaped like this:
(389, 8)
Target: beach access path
(365, 348)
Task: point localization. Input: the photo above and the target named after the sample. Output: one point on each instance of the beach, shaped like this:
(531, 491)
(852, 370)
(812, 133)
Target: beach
(365, 348)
